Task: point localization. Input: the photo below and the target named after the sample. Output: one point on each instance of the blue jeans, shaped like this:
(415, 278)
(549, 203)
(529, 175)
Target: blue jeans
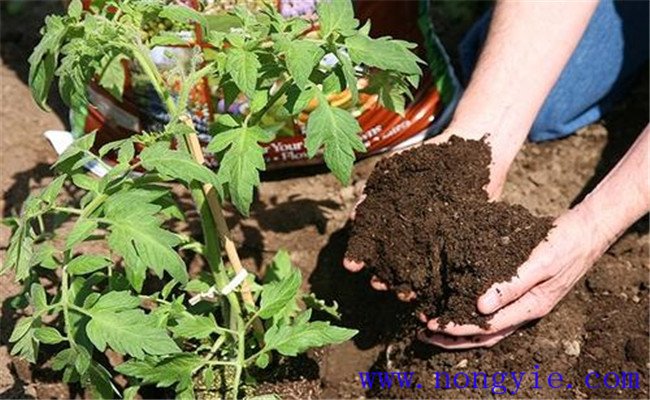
(612, 50)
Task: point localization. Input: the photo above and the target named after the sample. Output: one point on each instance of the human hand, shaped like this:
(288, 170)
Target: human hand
(553, 268)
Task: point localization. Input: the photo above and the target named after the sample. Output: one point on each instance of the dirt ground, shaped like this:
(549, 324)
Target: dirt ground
(602, 325)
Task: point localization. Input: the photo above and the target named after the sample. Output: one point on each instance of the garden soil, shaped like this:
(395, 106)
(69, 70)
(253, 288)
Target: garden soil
(601, 325)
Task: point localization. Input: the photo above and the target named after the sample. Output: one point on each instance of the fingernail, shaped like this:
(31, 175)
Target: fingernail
(489, 302)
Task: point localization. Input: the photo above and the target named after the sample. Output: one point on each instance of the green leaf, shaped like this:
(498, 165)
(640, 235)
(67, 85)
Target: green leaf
(39, 298)
(113, 76)
(263, 360)
(75, 8)
(315, 303)
(48, 335)
(280, 268)
(44, 257)
(129, 332)
(81, 230)
(130, 392)
(291, 340)
(383, 53)
(278, 295)
(259, 100)
(42, 61)
(20, 252)
(195, 327)
(82, 360)
(136, 235)
(241, 163)
(350, 77)
(165, 372)
(336, 16)
(53, 189)
(301, 58)
(176, 164)
(297, 99)
(115, 301)
(87, 263)
(167, 39)
(337, 131)
(244, 67)
(25, 345)
(79, 146)
(183, 14)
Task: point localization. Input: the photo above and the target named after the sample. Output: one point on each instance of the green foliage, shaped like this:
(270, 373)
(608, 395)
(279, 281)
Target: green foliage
(99, 301)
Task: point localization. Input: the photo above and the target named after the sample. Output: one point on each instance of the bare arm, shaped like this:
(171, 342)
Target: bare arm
(527, 46)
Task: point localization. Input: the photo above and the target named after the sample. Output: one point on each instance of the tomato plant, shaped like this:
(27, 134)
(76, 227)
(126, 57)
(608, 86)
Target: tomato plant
(83, 302)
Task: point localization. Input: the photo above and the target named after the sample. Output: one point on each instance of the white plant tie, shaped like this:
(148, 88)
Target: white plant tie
(212, 292)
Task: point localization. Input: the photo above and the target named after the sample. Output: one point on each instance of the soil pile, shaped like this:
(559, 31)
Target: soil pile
(426, 226)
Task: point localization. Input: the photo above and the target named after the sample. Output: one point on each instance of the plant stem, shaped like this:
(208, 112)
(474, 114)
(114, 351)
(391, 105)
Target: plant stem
(241, 352)
(276, 96)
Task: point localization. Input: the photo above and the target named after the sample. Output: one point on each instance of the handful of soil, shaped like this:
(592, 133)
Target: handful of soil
(426, 226)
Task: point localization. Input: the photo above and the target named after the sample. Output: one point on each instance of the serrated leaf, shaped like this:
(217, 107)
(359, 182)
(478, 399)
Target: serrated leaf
(98, 380)
(337, 131)
(44, 257)
(63, 358)
(167, 39)
(176, 164)
(349, 74)
(291, 340)
(113, 76)
(280, 268)
(383, 53)
(38, 296)
(53, 189)
(115, 301)
(259, 100)
(129, 332)
(87, 263)
(165, 372)
(297, 99)
(48, 335)
(130, 392)
(197, 286)
(81, 230)
(20, 252)
(42, 61)
(336, 16)
(278, 295)
(315, 303)
(241, 162)
(244, 67)
(79, 146)
(195, 327)
(84, 181)
(22, 327)
(183, 14)
(75, 8)
(82, 360)
(301, 58)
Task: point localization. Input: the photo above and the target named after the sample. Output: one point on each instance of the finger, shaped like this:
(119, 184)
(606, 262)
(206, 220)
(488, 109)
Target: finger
(501, 294)
(422, 317)
(465, 342)
(529, 307)
(353, 266)
(353, 214)
(377, 284)
(406, 296)
(456, 330)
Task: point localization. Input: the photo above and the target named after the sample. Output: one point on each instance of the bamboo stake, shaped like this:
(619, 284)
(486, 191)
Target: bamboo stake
(217, 214)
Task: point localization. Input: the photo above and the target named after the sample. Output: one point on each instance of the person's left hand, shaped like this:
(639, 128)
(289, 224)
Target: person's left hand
(554, 266)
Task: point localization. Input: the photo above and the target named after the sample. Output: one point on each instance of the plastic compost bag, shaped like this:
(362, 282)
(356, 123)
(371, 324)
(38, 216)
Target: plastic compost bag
(140, 109)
